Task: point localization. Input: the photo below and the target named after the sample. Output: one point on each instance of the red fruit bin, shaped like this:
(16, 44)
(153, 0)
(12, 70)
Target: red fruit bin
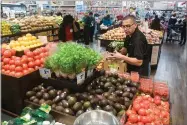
(161, 89)
(14, 90)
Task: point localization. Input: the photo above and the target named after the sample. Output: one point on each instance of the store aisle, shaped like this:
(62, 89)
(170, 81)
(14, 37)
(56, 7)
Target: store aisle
(173, 68)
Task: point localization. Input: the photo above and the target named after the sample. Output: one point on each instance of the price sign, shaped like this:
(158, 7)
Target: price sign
(45, 73)
(43, 39)
(90, 72)
(80, 78)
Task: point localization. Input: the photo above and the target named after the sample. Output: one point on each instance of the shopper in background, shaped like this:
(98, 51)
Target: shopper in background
(171, 24)
(155, 25)
(92, 26)
(137, 48)
(145, 24)
(183, 32)
(87, 28)
(59, 14)
(69, 29)
(107, 21)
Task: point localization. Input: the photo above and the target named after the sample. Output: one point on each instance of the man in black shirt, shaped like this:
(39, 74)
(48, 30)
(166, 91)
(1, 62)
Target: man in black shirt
(137, 48)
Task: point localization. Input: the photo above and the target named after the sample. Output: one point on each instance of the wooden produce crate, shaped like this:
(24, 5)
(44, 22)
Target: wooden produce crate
(14, 90)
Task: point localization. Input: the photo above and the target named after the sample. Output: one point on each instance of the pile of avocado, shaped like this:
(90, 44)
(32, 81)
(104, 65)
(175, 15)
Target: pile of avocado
(110, 93)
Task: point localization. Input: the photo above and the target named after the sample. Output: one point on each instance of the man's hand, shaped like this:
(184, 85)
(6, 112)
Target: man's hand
(116, 55)
(123, 51)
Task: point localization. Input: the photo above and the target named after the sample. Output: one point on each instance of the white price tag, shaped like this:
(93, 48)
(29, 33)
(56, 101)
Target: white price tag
(45, 73)
(43, 39)
(90, 72)
(80, 78)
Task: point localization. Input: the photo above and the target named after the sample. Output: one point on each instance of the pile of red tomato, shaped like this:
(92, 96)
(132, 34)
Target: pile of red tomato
(146, 85)
(161, 89)
(20, 66)
(148, 111)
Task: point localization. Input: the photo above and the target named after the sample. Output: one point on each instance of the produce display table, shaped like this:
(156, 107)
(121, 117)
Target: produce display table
(14, 89)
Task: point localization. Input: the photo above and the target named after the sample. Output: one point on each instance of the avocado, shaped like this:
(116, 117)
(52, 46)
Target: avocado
(94, 101)
(84, 96)
(66, 91)
(30, 93)
(131, 95)
(123, 107)
(124, 86)
(120, 80)
(101, 84)
(79, 113)
(111, 103)
(36, 100)
(65, 103)
(127, 82)
(92, 92)
(59, 108)
(126, 94)
(114, 81)
(134, 84)
(77, 106)
(103, 102)
(127, 89)
(49, 102)
(98, 107)
(108, 84)
(112, 98)
(86, 104)
(57, 99)
(52, 93)
(118, 84)
(41, 101)
(68, 111)
(120, 87)
(60, 104)
(108, 108)
(106, 94)
(36, 89)
(40, 87)
(119, 92)
(108, 80)
(127, 104)
(120, 113)
(99, 91)
(39, 95)
(77, 95)
(118, 106)
(126, 99)
(46, 96)
(89, 87)
(59, 92)
(43, 90)
(103, 79)
(72, 101)
(89, 109)
(133, 90)
(49, 88)
(63, 95)
(90, 97)
(111, 89)
(121, 100)
(32, 98)
(54, 106)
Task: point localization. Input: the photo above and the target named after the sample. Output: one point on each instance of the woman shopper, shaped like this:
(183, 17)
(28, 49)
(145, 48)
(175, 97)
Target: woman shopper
(87, 28)
(155, 25)
(69, 29)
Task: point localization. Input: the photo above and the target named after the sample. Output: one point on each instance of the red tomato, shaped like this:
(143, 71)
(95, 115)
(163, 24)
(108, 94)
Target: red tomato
(31, 64)
(25, 66)
(139, 118)
(41, 65)
(36, 67)
(6, 60)
(39, 50)
(6, 67)
(13, 52)
(18, 62)
(26, 72)
(18, 74)
(144, 119)
(42, 60)
(12, 73)
(36, 52)
(37, 62)
(17, 58)
(29, 54)
(140, 123)
(31, 69)
(46, 54)
(164, 114)
(133, 118)
(43, 49)
(157, 112)
(157, 97)
(19, 69)
(142, 112)
(130, 112)
(157, 101)
(12, 67)
(2, 51)
(7, 72)
(42, 55)
(13, 57)
(36, 57)
(25, 51)
(137, 107)
(30, 59)
(24, 59)
(11, 62)
(7, 54)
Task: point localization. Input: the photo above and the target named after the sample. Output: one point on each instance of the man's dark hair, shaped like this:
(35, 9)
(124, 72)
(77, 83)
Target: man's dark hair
(90, 13)
(131, 17)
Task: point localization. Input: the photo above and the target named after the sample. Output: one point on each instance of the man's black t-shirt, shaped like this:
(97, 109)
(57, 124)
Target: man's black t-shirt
(137, 47)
